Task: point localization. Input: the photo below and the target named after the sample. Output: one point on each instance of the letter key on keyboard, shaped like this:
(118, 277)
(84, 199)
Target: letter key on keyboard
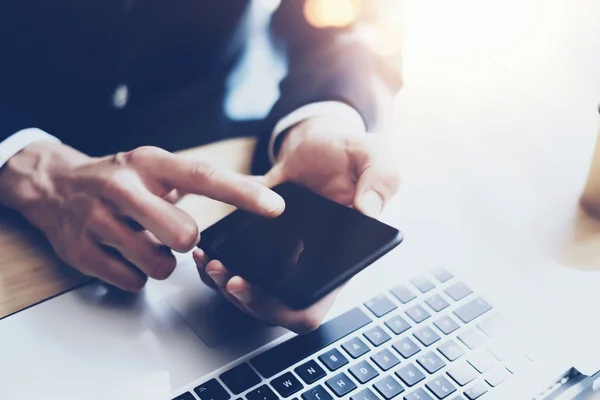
(388, 387)
(363, 371)
(365, 394)
(286, 354)
(385, 359)
(458, 291)
(333, 359)
(417, 314)
(441, 387)
(340, 384)
(380, 305)
(377, 336)
(410, 375)
(355, 347)
(403, 294)
(310, 372)
(317, 393)
(286, 384)
(431, 362)
(397, 324)
(406, 347)
(423, 284)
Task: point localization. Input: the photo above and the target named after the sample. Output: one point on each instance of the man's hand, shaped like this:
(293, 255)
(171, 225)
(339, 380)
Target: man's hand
(111, 217)
(339, 162)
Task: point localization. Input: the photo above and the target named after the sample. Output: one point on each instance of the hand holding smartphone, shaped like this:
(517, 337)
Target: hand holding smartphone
(299, 257)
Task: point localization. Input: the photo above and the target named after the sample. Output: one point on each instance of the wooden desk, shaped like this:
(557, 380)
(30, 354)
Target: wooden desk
(29, 270)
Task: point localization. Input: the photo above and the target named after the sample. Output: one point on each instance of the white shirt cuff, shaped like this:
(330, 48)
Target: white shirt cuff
(309, 111)
(18, 141)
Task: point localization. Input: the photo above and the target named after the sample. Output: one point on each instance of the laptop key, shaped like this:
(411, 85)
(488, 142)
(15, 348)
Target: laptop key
(185, 396)
(500, 349)
(418, 394)
(431, 362)
(240, 378)
(437, 302)
(211, 390)
(397, 324)
(385, 359)
(410, 375)
(340, 384)
(471, 338)
(462, 373)
(417, 313)
(355, 347)
(262, 393)
(494, 325)
(516, 364)
(310, 372)
(403, 294)
(380, 305)
(333, 359)
(482, 361)
(477, 390)
(377, 336)
(406, 347)
(388, 387)
(317, 393)
(426, 336)
(441, 387)
(365, 394)
(446, 324)
(459, 397)
(363, 372)
(287, 384)
(423, 284)
(442, 275)
(496, 376)
(458, 291)
(473, 309)
(288, 353)
(451, 350)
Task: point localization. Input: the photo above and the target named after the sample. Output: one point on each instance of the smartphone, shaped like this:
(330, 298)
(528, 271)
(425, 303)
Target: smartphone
(313, 247)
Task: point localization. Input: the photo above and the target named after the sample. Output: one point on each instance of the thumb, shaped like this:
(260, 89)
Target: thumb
(374, 188)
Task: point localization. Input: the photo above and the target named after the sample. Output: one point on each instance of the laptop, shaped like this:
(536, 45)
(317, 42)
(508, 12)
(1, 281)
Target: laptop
(456, 323)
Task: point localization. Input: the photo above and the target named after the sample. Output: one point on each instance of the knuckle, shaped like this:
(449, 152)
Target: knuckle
(248, 189)
(117, 183)
(142, 153)
(203, 171)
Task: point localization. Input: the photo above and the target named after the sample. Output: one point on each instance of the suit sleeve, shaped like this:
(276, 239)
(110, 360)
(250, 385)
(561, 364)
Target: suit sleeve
(11, 121)
(327, 64)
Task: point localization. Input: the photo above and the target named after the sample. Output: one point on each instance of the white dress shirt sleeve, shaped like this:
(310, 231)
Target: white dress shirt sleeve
(18, 141)
(309, 111)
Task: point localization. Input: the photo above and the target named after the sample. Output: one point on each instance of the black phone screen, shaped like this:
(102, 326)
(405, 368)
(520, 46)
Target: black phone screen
(300, 256)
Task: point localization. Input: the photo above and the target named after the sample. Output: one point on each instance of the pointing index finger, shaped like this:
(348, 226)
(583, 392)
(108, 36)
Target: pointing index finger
(201, 177)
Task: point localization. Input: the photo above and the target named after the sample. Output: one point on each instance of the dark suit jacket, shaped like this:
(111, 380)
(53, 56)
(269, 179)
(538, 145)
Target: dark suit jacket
(61, 60)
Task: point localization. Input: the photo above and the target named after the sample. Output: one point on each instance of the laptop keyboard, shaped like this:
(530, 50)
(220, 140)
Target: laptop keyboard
(429, 338)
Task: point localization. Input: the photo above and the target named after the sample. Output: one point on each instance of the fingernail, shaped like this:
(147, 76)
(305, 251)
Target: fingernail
(242, 295)
(217, 277)
(371, 203)
(271, 201)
